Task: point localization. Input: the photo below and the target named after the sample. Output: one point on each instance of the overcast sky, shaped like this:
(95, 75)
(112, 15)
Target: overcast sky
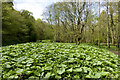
(35, 6)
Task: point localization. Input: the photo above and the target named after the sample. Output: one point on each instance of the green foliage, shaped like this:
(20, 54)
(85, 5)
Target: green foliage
(57, 60)
(43, 30)
(114, 48)
(20, 27)
(15, 27)
(63, 24)
(46, 41)
(29, 22)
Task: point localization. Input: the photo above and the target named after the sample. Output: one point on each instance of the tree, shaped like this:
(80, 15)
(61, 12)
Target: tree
(0, 23)
(73, 16)
(99, 28)
(118, 41)
(43, 30)
(108, 29)
(112, 11)
(29, 22)
(12, 25)
(17, 27)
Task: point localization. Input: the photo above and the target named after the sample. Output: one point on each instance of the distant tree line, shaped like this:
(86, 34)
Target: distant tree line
(85, 22)
(20, 26)
(64, 22)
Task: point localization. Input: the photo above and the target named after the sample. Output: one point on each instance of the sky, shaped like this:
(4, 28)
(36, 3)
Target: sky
(35, 6)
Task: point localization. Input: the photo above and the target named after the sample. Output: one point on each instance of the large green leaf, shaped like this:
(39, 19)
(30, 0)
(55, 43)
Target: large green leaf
(47, 75)
(58, 77)
(77, 70)
(48, 68)
(19, 71)
(69, 70)
(60, 70)
(7, 66)
(97, 75)
(29, 72)
(104, 73)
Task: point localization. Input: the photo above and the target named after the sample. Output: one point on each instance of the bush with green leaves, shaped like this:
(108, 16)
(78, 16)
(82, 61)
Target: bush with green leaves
(57, 61)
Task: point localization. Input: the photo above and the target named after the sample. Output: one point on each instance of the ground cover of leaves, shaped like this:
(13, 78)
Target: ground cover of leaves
(57, 61)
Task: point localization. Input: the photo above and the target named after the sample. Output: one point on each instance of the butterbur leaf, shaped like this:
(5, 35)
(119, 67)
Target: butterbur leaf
(88, 58)
(77, 70)
(60, 70)
(86, 69)
(19, 71)
(8, 66)
(62, 65)
(76, 76)
(99, 63)
(8, 74)
(88, 76)
(104, 73)
(16, 76)
(28, 65)
(117, 75)
(19, 65)
(71, 60)
(47, 75)
(33, 67)
(69, 70)
(31, 77)
(52, 74)
(57, 76)
(48, 68)
(29, 72)
(13, 76)
(97, 75)
(42, 73)
(24, 62)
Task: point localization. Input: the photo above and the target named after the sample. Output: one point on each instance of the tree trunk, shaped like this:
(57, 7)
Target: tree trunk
(0, 26)
(108, 29)
(112, 35)
(99, 27)
(92, 35)
(112, 31)
(118, 41)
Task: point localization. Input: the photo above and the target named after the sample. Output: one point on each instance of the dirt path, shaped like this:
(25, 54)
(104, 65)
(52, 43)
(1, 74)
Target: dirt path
(115, 52)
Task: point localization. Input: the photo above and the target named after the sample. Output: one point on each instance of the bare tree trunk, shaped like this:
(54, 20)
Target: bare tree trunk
(108, 29)
(118, 41)
(92, 35)
(112, 35)
(0, 27)
(99, 27)
(112, 30)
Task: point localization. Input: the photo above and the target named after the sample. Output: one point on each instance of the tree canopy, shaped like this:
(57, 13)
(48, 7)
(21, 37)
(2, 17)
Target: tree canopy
(63, 22)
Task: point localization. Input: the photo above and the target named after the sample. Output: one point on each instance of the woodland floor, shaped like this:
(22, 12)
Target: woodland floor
(115, 52)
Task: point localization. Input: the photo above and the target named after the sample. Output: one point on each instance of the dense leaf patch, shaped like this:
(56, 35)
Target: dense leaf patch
(57, 60)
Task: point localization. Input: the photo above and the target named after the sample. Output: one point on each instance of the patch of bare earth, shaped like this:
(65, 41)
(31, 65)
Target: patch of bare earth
(115, 52)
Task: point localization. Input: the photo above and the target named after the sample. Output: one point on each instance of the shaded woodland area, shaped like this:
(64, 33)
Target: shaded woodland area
(68, 22)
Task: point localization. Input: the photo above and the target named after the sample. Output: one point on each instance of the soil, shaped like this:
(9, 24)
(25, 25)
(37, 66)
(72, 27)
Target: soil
(115, 52)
